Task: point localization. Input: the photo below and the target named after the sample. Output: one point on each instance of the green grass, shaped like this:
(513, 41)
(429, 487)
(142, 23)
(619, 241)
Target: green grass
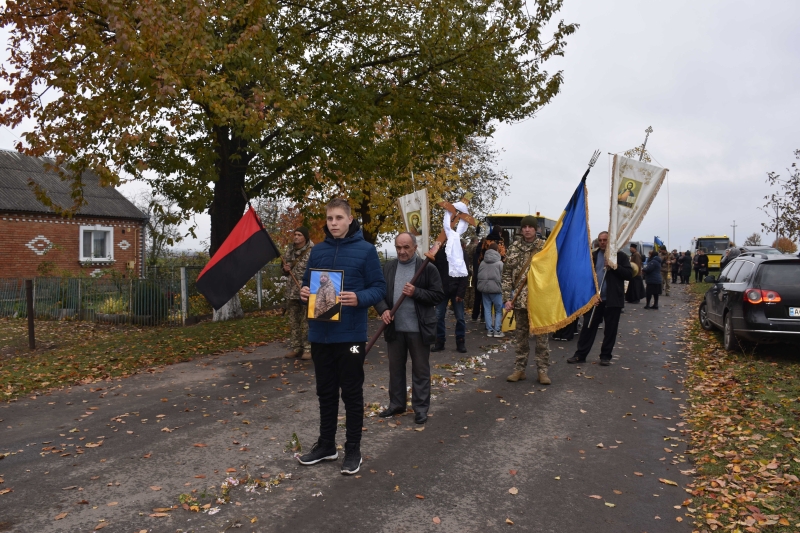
(70, 353)
(745, 412)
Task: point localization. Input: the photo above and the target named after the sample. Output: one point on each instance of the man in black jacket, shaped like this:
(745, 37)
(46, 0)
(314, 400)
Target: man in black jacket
(412, 329)
(607, 306)
(455, 288)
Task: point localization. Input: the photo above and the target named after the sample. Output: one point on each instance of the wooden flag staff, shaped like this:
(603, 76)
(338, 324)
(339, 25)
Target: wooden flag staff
(456, 217)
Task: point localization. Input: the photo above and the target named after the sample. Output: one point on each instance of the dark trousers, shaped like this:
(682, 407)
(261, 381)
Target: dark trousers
(602, 313)
(674, 276)
(340, 366)
(404, 345)
(653, 290)
(477, 306)
(441, 313)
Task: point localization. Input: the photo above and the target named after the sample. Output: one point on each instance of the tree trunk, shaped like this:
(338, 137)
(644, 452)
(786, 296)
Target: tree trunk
(227, 206)
(365, 213)
(232, 309)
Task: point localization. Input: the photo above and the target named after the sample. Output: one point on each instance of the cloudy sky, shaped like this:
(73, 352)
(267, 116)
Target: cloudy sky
(718, 82)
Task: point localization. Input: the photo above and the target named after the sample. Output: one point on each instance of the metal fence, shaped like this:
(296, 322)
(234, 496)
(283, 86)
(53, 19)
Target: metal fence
(165, 297)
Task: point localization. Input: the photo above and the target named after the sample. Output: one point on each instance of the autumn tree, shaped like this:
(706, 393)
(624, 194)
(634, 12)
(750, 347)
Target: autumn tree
(784, 245)
(783, 207)
(216, 96)
(471, 168)
(753, 240)
(163, 219)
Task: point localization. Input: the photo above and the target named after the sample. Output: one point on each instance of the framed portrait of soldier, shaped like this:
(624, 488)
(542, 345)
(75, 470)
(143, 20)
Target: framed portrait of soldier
(325, 303)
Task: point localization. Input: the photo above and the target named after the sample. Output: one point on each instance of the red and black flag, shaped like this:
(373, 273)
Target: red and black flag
(247, 249)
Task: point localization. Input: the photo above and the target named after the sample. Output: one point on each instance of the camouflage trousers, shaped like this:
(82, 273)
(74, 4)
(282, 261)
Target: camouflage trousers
(522, 340)
(298, 325)
(665, 278)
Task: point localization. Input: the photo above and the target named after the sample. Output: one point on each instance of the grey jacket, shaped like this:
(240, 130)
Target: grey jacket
(428, 292)
(490, 273)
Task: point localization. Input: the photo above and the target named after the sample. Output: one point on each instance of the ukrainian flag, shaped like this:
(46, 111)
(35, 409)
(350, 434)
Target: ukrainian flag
(561, 278)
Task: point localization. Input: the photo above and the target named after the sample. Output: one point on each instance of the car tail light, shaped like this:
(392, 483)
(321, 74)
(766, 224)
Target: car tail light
(757, 296)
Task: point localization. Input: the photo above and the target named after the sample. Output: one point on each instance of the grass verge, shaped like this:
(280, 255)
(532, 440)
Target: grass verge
(745, 412)
(84, 352)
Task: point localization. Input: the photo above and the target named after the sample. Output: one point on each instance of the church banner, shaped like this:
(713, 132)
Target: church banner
(634, 186)
(416, 217)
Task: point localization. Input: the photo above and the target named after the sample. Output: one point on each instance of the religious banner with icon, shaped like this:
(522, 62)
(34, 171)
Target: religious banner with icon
(416, 217)
(634, 186)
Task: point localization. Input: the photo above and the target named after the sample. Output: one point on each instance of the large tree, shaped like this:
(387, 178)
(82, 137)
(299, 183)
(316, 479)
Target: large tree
(214, 96)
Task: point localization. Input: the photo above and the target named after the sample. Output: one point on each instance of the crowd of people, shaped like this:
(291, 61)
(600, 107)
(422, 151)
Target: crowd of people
(494, 288)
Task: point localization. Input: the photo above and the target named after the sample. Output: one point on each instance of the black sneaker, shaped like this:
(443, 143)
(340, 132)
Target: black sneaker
(322, 451)
(352, 459)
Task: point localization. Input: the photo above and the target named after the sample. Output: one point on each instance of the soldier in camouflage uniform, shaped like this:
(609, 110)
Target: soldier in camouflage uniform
(295, 261)
(516, 266)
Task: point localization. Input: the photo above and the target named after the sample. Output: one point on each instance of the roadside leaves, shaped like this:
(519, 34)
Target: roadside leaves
(744, 414)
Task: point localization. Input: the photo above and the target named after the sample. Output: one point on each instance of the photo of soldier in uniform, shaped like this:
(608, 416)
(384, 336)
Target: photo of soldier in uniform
(324, 302)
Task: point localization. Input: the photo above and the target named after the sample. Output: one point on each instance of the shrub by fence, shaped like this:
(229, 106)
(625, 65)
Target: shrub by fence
(166, 297)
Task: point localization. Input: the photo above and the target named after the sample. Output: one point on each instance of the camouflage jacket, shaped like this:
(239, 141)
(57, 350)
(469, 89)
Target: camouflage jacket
(297, 260)
(666, 260)
(516, 263)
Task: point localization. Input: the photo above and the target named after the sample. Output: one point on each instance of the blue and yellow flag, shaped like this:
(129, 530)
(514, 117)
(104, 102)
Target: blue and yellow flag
(561, 279)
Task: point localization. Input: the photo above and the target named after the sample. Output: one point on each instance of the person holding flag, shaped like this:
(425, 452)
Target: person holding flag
(608, 304)
(515, 270)
(338, 349)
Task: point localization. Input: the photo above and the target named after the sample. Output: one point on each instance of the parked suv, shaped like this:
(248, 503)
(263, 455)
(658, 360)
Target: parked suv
(756, 298)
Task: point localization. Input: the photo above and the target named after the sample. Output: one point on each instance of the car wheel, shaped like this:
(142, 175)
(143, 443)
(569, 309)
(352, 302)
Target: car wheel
(702, 314)
(729, 340)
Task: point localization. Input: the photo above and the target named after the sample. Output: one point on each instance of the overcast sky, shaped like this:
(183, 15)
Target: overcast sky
(719, 82)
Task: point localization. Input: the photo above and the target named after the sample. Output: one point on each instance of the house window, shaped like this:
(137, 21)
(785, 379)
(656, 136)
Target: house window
(97, 243)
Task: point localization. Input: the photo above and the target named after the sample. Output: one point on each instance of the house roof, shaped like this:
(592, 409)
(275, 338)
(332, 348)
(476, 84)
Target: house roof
(16, 195)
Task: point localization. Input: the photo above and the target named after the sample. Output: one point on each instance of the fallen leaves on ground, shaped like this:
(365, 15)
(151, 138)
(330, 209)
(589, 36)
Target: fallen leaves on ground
(745, 434)
(513, 490)
(85, 352)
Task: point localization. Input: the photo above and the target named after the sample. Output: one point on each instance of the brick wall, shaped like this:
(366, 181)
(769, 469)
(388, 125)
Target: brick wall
(33, 244)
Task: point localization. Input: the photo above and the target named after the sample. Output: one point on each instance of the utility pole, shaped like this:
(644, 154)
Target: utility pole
(734, 231)
(648, 131)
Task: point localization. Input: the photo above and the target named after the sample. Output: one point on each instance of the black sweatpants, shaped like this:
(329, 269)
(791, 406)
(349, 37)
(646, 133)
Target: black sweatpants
(340, 366)
(406, 344)
(602, 313)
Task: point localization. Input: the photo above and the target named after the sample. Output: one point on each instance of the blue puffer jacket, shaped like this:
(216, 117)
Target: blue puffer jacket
(652, 271)
(362, 275)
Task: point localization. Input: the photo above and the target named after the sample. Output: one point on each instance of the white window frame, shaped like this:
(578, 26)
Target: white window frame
(109, 244)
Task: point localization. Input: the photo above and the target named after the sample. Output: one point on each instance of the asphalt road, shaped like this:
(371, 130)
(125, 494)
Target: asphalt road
(584, 454)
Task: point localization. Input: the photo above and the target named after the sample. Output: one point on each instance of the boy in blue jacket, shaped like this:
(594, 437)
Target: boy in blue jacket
(338, 348)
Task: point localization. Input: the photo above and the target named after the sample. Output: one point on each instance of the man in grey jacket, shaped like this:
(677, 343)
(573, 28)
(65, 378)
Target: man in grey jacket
(412, 329)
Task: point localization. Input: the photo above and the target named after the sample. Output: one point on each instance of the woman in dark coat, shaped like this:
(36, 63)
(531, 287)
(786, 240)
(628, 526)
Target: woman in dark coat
(652, 275)
(686, 267)
(635, 290)
(674, 256)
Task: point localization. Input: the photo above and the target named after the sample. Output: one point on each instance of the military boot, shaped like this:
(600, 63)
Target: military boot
(543, 379)
(518, 375)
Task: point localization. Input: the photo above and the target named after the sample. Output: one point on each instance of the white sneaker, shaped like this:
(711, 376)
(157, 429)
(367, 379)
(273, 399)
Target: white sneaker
(490, 334)
(499, 335)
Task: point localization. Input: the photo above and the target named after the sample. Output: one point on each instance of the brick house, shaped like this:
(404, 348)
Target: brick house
(105, 234)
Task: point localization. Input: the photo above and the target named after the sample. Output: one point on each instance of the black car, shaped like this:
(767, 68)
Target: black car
(756, 298)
